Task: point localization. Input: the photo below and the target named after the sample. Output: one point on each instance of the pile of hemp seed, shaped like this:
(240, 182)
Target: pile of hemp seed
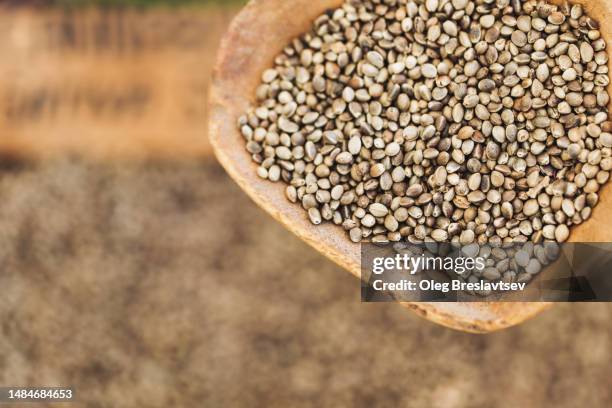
(466, 121)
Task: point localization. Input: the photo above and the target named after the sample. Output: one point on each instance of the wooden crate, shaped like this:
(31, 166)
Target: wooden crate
(107, 83)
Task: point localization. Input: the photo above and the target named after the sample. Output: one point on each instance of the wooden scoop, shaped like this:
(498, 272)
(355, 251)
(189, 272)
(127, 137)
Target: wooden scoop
(259, 33)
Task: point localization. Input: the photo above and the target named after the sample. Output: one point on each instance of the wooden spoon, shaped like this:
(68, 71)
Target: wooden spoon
(255, 37)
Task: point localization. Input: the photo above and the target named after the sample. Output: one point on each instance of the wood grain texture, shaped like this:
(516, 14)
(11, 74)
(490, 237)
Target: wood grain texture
(256, 35)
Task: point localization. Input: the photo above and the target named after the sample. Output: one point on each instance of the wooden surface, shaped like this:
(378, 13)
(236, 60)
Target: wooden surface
(107, 83)
(240, 63)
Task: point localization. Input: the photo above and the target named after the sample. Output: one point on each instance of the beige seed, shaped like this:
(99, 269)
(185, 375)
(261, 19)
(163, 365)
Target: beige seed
(368, 221)
(507, 210)
(531, 208)
(487, 21)
(439, 235)
(407, 25)
(354, 145)
(574, 53)
(466, 132)
(415, 212)
(471, 68)
(542, 72)
(519, 38)
(476, 197)
(269, 75)
(593, 130)
(369, 70)
(522, 258)
(494, 197)
(440, 176)
(467, 237)
(398, 175)
(274, 173)
(291, 194)
(568, 207)
(262, 172)
(392, 149)
(471, 101)
(375, 59)
(315, 216)
(460, 4)
(378, 210)
(344, 158)
(474, 181)
(533, 267)
(605, 139)
(602, 98)
(561, 233)
(458, 113)
(586, 52)
(337, 192)
(497, 179)
(431, 5)
(556, 18)
(574, 99)
(391, 223)
(569, 74)
(523, 22)
(286, 125)
(429, 71)
(450, 28)
(348, 94)
(549, 231)
(414, 190)
(574, 150)
(356, 235)
(377, 170)
(397, 68)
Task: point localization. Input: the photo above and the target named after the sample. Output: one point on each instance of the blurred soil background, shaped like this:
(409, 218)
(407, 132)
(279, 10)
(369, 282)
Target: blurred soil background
(154, 282)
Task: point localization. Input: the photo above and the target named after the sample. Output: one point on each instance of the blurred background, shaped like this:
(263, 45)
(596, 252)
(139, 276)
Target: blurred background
(136, 272)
